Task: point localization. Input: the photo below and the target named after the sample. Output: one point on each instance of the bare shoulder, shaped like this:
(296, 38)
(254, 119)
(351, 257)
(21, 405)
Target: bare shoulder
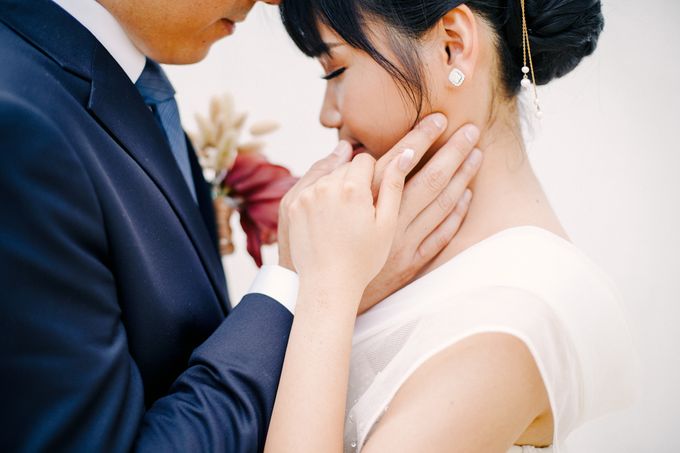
(481, 394)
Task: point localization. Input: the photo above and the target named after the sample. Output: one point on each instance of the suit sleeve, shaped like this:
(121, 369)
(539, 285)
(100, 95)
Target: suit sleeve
(223, 402)
(68, 379)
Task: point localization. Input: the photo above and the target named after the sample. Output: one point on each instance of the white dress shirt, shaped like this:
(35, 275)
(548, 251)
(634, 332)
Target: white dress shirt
(273, 281)
(108, 32)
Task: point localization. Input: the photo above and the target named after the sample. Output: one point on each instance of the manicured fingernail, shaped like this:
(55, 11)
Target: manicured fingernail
(475, 157)
(343, 149)
(406, 158)
(467, 196)
(438, 119)
(471, 132)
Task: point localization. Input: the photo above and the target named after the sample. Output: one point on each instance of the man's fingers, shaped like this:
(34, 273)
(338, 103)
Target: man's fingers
(420, 139)
(389, 197)
(449, 198)
(434, 177)
(442, 235)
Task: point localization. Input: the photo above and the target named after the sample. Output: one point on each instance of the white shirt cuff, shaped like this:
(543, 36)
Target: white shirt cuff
(279, 283)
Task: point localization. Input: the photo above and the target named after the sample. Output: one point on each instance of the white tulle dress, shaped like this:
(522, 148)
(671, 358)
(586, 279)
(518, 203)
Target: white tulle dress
(524, 281)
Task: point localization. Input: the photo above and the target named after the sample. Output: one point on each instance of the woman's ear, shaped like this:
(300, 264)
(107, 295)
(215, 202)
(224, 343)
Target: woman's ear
(459, 43)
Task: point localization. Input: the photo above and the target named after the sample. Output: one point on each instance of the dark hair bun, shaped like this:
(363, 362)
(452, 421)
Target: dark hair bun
(561, 33)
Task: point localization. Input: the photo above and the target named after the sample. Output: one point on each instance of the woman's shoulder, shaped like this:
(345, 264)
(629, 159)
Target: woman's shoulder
(486, 383)
(501, 332)
(532, 285)
(584, 302)
(556, 295)
(532, 258)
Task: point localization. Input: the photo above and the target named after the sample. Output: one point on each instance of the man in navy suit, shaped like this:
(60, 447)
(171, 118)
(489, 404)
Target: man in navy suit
(114, 331)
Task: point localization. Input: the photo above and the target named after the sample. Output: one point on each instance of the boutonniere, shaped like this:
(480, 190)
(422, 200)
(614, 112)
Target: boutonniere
(241, 177)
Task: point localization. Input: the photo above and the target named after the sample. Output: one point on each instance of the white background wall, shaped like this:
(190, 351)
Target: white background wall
(607, 153)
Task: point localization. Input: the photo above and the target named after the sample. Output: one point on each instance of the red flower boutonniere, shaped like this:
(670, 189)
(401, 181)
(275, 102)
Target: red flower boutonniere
(242, 178)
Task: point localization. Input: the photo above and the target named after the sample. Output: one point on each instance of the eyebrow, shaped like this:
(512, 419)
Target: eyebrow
(330, 45)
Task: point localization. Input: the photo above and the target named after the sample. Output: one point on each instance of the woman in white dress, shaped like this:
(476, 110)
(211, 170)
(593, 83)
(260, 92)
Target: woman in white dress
(511, 337)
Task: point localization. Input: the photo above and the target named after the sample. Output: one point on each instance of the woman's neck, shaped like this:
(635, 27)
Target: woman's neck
(506, 192)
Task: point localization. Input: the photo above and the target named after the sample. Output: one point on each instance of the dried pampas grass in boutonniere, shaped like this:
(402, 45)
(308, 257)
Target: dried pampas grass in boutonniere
(242, 178)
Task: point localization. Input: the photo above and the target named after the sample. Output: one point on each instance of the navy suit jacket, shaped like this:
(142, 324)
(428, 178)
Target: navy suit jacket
(115, 329)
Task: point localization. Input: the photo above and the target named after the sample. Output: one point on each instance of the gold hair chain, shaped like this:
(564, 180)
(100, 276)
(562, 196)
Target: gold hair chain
(526, 53)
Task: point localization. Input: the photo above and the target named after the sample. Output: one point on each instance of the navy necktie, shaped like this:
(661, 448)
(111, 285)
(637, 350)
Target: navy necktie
(159, 94)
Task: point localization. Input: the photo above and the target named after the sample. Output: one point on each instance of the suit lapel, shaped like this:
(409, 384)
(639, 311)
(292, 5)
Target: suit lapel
(203, 194)
(117, 105)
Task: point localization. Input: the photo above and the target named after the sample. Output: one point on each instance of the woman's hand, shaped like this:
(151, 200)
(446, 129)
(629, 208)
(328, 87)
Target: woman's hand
(337, 233)
(435, 202)
(340, 155)
(339, 240)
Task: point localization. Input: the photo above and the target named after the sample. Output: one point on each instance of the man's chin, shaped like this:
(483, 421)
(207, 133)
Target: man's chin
(180, 56)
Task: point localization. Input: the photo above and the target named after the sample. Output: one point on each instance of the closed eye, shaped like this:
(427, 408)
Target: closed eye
(334, 74)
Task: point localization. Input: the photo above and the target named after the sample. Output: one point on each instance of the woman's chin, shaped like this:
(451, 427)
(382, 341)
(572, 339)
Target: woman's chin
(361, 149)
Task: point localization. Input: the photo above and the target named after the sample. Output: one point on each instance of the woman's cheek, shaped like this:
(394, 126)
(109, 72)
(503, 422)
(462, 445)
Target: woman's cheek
(394, 128)
(374, 128)
(372, 115)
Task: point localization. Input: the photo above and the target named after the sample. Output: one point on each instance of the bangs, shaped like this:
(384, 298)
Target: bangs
(356, 22)
(302, 19)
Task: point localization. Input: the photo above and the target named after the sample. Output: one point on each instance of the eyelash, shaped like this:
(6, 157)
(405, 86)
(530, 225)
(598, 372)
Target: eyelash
(334, 74)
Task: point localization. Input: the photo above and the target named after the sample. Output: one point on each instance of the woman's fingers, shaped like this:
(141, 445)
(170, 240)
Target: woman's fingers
(429, 218)
(334, 163)
(359, 176)
(391, 189)
(339, 157)
(434, 177)
(434, 230)
(336, 230)
(407, 259)
(442, 235)
(420, 139)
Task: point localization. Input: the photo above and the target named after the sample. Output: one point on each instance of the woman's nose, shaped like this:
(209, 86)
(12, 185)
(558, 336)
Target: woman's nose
(330, 119)
(330, 116)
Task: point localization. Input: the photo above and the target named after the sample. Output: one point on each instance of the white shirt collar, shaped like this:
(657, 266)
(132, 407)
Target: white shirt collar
(101, 23)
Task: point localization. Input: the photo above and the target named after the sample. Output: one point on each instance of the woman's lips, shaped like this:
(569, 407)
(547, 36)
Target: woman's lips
(357, 149)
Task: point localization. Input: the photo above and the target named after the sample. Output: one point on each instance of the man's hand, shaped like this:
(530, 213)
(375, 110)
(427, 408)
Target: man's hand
(435, 201)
